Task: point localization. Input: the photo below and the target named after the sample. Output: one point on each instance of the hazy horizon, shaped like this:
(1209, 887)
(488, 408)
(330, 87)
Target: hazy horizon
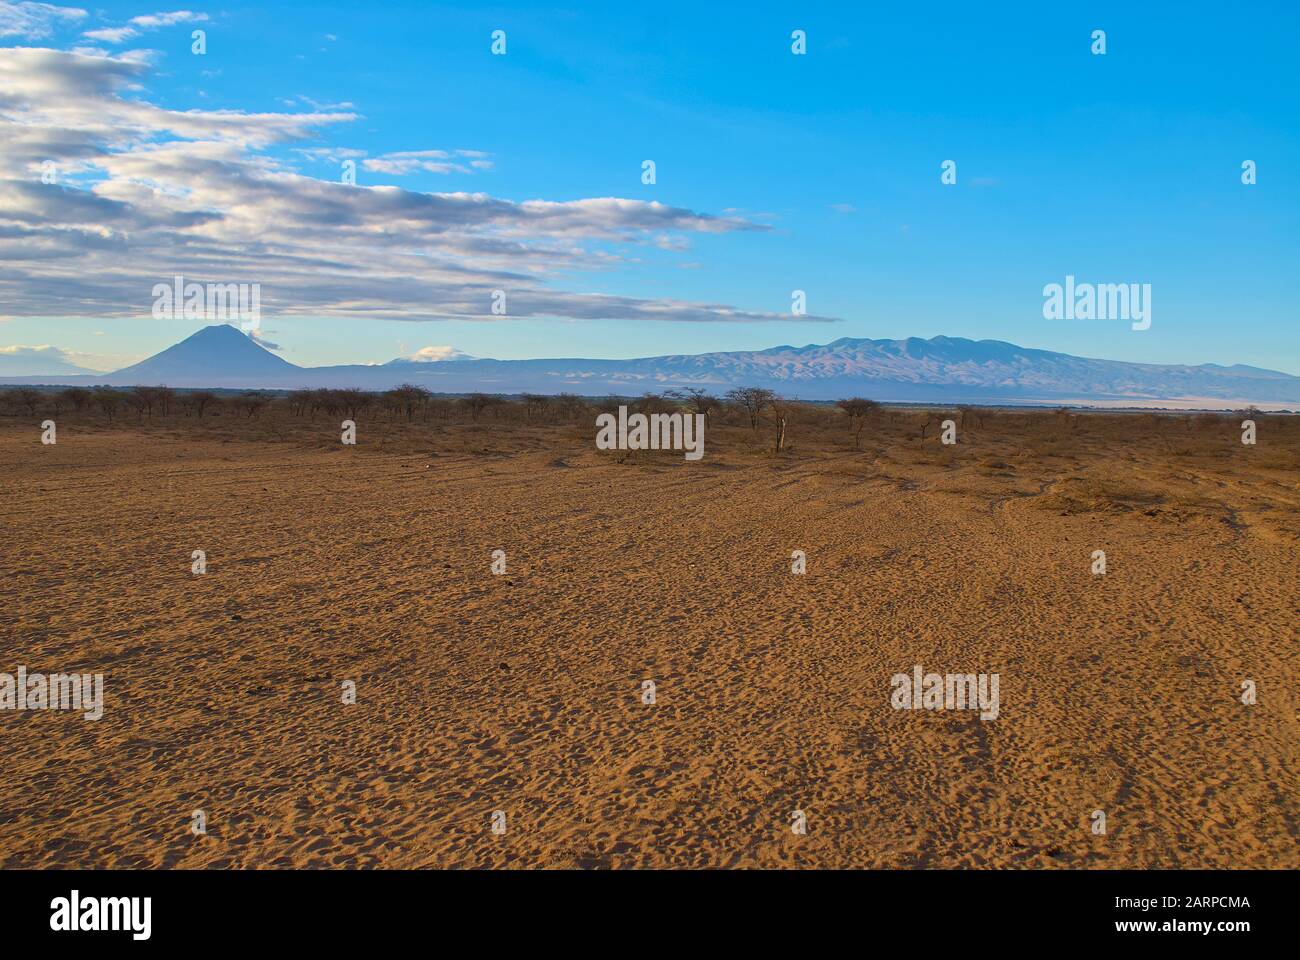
(452, 355)
(942, 370)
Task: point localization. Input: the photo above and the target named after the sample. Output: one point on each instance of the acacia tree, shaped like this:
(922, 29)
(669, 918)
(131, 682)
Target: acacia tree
(781, 408)
(251, 402)
(478, 402)
(352, 400)
(27, 398)
(108, 400)
(327, 400)
(199, 401)
(411, 398)
(143, 400)
(165, 397)
(298, 401)
(570, 405)
(78, 397)
(649, 403)
(322, 399)
(858, 410)
(535, 403)
(440, 406)
(140, 399)
(754, 400)
(698, 399)
(391, 402)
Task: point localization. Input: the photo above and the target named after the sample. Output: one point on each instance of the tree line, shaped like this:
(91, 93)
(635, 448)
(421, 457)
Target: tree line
(766, 413)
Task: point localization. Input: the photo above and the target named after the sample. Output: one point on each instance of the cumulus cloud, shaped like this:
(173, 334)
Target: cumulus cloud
(146, 193)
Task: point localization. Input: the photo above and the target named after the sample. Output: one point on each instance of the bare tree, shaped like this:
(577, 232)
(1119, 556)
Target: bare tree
(250, 403)
(439, 405)
(535, 403)
(570, 405)
(780, 408)
(322, 399)
(26, 398)
(650, 403)
(408, 398)
(78, 397)
(930, 420)
(476, 403)
(391, 401)
(165, 397)
(108, 400)
(754, 400)
(699, 400)
(858, 410)
(140, 399)
(199, 401)
(299, 400)
(352, 401)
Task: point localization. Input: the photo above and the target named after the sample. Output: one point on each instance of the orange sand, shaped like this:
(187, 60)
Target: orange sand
(522, 692)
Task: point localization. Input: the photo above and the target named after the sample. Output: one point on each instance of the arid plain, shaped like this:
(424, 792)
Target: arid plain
(522, 692)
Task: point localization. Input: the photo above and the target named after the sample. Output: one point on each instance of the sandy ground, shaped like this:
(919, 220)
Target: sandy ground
(523, 692)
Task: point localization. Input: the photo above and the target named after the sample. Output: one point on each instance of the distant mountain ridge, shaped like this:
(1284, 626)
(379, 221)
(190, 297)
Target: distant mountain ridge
(941, 369)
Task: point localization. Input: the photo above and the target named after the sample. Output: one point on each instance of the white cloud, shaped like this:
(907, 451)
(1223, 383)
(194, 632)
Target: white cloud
(330, 154)
(137, 25)
(153, 21)
(258, 338)
(111, 34)
(140, 56)
(35, 20)
(191, 192)
(31, 361)
(437, 354)
(429, 161)
(322, 107)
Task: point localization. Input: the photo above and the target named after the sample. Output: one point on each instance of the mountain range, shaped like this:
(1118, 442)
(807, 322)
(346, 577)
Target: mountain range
(941, 369)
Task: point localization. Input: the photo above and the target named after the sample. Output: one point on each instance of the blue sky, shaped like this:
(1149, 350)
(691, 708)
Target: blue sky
(1117, 168)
